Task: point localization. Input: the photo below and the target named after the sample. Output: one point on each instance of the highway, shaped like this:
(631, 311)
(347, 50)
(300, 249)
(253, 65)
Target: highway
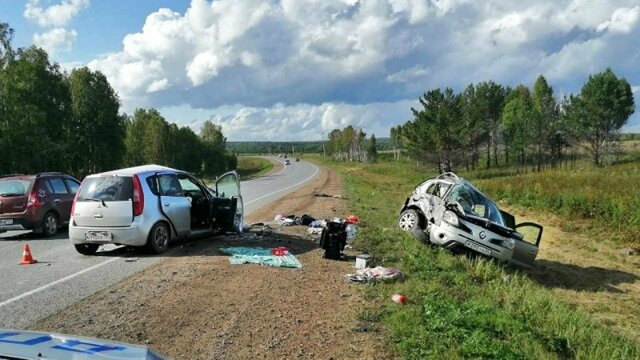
(62, 276)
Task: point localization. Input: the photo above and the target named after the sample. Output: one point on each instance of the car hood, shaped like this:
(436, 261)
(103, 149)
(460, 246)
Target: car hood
(18, 344)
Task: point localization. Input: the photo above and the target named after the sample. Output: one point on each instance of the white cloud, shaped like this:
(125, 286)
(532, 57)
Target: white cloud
(407, 75)
(635, 89)
(56, 40)
(346, 56)
(622, 20)
(300, 121)
(57, 15)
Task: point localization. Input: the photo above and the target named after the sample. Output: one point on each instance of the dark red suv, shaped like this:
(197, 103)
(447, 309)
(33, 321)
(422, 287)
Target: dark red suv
(41, 202)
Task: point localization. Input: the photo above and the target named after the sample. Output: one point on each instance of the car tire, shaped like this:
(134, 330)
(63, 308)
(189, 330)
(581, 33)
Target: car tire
(86, 249)
(410, 221)
(50, 224)
(159, 237)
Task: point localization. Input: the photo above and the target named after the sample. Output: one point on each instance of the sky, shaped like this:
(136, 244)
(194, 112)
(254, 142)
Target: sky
(297, 69)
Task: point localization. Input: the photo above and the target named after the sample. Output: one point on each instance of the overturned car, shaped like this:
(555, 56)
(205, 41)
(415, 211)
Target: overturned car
(450, 212)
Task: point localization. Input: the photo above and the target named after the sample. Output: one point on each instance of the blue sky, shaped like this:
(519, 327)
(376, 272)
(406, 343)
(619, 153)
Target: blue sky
(294, 69)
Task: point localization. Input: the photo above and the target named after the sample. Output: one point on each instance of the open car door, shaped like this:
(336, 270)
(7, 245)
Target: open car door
(228, 207)
(526, 250)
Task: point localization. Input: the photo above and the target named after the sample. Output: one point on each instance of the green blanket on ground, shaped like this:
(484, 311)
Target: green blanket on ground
(262, 256)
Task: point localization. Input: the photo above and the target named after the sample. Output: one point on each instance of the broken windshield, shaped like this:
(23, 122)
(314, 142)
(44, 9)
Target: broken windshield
(474, 203)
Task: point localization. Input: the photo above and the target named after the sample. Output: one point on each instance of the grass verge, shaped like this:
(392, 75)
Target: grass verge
(251, 167)
(461, 307)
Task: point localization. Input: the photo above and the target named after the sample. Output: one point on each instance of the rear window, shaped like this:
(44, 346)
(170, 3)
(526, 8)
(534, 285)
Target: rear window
(14, 187)
(109, 188)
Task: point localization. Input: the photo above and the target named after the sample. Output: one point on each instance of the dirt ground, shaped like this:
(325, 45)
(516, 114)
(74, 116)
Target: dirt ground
(591, 273)
(195, 305)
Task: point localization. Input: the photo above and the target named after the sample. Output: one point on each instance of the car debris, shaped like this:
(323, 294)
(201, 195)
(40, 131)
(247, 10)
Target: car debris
(375, 274)
(448, 211)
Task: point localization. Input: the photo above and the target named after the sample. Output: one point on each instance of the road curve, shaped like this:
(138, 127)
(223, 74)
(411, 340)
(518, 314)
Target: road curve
(63, 277)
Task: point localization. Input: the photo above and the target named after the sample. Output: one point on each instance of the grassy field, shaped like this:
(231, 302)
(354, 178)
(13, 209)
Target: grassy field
(607, 197)
(250, 167)
(461, 307)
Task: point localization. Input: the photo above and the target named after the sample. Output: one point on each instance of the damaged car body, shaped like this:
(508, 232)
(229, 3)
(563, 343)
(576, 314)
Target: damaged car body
(450, 212)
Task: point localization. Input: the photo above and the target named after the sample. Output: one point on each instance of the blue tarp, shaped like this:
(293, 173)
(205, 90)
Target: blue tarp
(262, 256)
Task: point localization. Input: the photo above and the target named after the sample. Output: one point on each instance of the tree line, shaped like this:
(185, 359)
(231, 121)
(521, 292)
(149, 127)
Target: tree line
(51, 120)
(351, 144)
(520, 126)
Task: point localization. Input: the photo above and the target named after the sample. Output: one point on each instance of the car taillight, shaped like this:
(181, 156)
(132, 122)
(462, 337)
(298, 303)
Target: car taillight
(33, 200)
(138, 196)
(75, 198)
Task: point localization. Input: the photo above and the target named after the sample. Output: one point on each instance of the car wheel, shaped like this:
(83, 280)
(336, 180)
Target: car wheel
(50, 224)
(410, 221)
(87, 249)
(159, 237)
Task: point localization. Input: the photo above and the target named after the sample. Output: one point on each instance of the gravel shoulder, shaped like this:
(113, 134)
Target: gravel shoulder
(196, 305)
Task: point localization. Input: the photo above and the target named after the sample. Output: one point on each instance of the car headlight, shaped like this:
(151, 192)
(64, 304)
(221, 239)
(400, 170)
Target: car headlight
(450, 218)
(509, 244)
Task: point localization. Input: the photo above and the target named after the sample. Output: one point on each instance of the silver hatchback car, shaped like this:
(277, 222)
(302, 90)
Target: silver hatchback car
(450, 212)
(150, 206)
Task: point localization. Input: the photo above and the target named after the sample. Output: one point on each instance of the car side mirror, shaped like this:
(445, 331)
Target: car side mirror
(455, 207)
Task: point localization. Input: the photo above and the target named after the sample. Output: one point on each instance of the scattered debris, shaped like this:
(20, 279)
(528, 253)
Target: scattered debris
(628, 251)
(262, 256)
(315, 230)
(399, 299)
(375, 274)
(352, 219)
(333, 240)
(362, 261)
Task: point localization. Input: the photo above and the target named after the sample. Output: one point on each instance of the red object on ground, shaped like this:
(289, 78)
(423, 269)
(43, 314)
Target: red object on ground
(352, 219)
(398, 298)
(280, 251)
(27, 258)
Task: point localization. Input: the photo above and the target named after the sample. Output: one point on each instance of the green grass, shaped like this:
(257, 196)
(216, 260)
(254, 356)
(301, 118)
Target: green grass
(250, 167)
(607, 197)
(461, 307)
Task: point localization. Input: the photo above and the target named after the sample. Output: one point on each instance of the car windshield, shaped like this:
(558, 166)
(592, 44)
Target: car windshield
(14, 187)
(475, 203)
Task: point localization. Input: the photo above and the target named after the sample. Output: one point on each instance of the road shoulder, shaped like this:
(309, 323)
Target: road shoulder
(196, 305)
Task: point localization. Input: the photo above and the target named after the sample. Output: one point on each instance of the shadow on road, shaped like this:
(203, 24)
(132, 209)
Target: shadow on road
(27, 235)
(553, 274)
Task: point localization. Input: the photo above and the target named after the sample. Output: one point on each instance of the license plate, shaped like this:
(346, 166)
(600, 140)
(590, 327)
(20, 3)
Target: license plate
(481, 249)
(6, 222)
(97, 236)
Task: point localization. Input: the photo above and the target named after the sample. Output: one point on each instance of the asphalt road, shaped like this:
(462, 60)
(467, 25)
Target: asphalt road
(62, 276)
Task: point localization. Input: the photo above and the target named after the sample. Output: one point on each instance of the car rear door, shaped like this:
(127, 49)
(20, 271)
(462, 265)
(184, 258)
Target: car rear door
(173, 202)
(526, 249)
(104, 201)
(62, 200)
(228, 207)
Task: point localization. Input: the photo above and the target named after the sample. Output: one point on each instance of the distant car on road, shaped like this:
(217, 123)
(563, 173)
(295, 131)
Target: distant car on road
(287, 162)
(40, 202)
(450, 212)
(150, 206)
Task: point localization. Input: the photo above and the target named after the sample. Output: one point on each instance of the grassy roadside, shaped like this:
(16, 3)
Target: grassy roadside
(461, 307)
(605, 197)
(251, 167)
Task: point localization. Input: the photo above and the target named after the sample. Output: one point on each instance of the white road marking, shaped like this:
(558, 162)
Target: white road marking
(35, 291)
(289, 187)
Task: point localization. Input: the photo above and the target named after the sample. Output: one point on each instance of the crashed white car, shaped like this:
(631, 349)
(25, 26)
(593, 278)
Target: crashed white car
(450, 212)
